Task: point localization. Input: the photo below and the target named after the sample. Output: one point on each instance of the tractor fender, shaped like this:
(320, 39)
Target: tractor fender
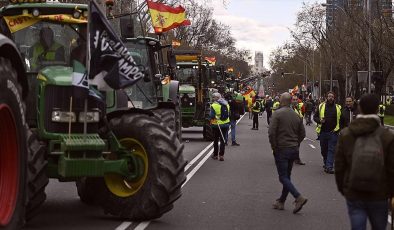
(9, 51)
(121, 112)
(174, 91)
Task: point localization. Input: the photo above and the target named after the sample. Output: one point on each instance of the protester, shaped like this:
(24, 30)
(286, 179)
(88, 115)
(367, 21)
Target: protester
(381, 112)
(256, 110)
(327, 117)
(349, 112)
(268, 108)
(364, 167)
(234, 116)
(220, 123)
(286, 132)
(308, 111)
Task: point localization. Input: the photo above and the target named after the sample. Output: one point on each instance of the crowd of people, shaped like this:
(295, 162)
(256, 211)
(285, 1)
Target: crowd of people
(354, 144)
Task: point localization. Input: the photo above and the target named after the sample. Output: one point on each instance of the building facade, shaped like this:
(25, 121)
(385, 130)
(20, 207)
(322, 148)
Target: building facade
(259, 62)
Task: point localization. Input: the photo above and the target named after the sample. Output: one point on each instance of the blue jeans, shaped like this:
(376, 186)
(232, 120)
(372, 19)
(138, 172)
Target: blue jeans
(233, 123)
(375, 211)
(284, 159)
(328, 142)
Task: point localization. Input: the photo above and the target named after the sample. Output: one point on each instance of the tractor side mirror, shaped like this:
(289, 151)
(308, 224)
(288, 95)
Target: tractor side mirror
(126, 27)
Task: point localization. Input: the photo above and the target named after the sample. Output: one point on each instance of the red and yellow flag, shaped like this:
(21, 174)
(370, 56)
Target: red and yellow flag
(165, 18)
(211, 60)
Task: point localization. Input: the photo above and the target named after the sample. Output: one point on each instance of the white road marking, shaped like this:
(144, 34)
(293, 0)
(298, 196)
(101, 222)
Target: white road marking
(144, 225)
(308, 139)
(123, 226)
(390, 219)
(312, 146)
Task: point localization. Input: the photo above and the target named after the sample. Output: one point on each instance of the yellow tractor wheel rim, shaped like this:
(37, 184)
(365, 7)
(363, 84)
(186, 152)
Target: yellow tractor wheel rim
(116, 183)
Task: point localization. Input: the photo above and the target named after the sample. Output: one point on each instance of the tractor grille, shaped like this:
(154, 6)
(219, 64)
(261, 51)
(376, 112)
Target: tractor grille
(187, 101)
(59, 97)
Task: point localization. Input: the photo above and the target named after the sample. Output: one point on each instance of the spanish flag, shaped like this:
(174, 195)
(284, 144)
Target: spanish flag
(165, 18)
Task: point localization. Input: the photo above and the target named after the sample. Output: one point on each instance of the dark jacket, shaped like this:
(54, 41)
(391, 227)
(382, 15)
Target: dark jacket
(234, 109)
(330, 116)
(343, 157)
(308, 106)
(268, 105)
(345, 116)
(286, 129)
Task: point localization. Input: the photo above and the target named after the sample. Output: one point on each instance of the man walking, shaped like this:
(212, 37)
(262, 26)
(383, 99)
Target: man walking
(234, 116)
(328, 125)
(308, 111)
(286, 132)
(349, 112)
(364, 167)
(256, 110)
(268, 108)
(220, 120)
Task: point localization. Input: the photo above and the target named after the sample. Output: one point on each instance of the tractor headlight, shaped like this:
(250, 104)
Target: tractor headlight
(90, 117)
(60, 116)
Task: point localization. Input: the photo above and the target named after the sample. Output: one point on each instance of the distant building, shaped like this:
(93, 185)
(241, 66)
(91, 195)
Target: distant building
(384, 6)
(259, 62)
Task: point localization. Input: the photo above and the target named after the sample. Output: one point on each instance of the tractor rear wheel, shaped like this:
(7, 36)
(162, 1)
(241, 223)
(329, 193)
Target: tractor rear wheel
(171, 118)
(154, 193)
(13, 149)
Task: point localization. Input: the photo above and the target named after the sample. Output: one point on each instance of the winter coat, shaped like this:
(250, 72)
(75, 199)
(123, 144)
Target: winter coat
(364, 124)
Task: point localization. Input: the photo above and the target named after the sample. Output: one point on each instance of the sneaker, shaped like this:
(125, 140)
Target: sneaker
(215, 157)
(221, 158)
(253, 128)
(329, 171)
(299, 203)
(278, 205)
(235, 144)
(299, 162)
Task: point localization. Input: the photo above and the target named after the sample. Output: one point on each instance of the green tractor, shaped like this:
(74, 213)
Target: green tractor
(197, 79)
(118, 151)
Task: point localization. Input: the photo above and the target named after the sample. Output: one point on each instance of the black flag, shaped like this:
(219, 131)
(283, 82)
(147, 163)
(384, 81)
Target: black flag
(108, 54)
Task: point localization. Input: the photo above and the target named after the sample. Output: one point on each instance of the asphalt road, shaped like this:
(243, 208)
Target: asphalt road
(234, 194)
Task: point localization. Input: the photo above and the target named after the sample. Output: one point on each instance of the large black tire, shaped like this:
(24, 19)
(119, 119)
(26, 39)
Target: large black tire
(86, 188)
(171, 118)
(37, 177)
(165, 173)
(13, 149)
(207, 133)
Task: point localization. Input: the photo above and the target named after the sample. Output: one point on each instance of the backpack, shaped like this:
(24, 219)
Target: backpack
(368, 168)
(224, 113)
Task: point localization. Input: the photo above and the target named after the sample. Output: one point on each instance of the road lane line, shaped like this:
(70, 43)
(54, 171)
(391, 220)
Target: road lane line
(390, 218)
(191, 174)
(308, 139)
(144, 225)
(123, 226)
(312, 146)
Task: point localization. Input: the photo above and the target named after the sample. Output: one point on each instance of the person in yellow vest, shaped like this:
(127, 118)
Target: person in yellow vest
(220, 120)
(328, 118)
(276, 104)
(381, 112)
(46, 49)
(389, 100)
(256, 110)
(296, 109)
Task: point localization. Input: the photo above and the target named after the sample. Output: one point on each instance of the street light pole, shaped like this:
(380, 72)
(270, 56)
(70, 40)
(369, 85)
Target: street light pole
(369, 45)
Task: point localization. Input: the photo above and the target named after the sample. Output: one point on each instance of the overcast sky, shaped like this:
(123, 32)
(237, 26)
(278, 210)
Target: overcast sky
(259, 25)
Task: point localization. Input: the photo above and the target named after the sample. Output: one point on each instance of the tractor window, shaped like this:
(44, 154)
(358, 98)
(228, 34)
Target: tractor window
(143, 93)
(187, 75)
(45, 43)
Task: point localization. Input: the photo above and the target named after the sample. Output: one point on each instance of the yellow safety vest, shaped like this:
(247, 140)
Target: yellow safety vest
(49, 56)
(217, 108)
(259, 107)
(322, 110)
(382, 107)
(298, 112)
(276, 106)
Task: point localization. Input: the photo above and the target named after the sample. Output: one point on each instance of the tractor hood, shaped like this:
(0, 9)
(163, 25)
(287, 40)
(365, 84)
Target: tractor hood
(186, 89)
(56, 75)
